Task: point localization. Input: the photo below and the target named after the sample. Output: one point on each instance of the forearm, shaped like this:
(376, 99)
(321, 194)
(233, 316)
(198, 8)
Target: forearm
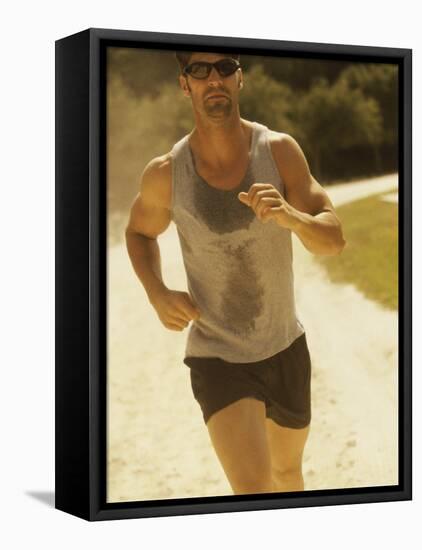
(320, 234)
(144, 254)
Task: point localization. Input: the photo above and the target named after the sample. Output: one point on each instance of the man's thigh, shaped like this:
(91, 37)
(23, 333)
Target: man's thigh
(239, 438)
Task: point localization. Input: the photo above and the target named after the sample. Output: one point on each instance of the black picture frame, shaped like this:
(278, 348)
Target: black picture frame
(80, 375)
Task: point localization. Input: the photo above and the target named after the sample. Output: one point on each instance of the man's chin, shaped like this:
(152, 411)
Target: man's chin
(218, 113)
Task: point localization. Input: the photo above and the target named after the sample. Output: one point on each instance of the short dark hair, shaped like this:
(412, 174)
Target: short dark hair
(183, 57)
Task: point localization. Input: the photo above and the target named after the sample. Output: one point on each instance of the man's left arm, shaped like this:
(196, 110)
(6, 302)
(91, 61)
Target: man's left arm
(305, 208)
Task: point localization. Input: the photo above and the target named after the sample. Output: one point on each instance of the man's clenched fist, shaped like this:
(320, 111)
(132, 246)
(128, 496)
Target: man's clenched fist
(267, 203)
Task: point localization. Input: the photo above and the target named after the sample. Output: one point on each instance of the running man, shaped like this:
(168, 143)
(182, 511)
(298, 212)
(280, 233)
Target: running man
(236, 190)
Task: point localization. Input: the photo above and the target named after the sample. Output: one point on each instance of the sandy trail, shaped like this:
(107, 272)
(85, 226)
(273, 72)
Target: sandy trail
(158, 445)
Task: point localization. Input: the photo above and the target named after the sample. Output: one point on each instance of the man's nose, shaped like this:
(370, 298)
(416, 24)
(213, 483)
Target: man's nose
(214, 76)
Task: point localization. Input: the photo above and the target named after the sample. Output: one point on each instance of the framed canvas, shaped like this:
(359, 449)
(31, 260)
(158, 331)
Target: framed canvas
(233, 274)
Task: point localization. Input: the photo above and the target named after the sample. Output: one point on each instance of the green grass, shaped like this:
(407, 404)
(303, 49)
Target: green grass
(370, 258)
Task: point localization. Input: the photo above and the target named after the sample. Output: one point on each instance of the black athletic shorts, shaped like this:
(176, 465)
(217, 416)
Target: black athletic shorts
(282, 382)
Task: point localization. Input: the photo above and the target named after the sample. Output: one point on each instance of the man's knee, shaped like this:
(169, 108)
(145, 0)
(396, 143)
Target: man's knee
(252, 484)
(288, 479)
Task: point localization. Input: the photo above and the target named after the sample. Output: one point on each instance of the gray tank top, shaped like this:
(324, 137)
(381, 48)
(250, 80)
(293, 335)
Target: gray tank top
(239, 270)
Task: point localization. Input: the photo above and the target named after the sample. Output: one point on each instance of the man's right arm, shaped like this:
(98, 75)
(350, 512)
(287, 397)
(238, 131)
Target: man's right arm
(149, 217)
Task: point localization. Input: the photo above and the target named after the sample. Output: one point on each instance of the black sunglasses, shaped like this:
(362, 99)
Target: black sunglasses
(202, 69)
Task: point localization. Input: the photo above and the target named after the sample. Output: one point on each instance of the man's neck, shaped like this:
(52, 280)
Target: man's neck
(220, 145)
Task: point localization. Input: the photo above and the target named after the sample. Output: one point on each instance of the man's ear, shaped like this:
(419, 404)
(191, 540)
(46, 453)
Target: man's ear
(240, 83)
(184, 85)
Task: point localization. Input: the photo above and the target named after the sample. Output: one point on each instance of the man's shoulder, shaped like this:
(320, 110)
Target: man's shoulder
(284, 147)
(156, 180)
(280, 140)
(159, 168)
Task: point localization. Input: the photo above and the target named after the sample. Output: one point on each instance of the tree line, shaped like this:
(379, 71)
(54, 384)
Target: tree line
(343, 114)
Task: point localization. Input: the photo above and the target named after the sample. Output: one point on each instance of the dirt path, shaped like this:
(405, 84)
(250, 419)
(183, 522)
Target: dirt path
(348, 192)
(353, 343)
(158, 445)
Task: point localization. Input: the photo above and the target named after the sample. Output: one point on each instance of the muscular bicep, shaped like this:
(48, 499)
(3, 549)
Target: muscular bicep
(150, 212)
(302, 190)
(147, 219)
